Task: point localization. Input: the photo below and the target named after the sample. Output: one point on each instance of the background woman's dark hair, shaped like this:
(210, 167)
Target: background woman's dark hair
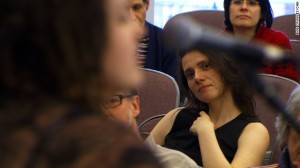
(232, 75)
(99, 141)
(51, 47)
(266, 11)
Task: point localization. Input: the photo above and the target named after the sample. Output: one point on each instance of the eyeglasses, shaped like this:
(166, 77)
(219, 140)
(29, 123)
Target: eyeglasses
(248, 2)
(115, 100)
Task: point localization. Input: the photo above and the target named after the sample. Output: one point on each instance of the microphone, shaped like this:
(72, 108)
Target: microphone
(185, 33)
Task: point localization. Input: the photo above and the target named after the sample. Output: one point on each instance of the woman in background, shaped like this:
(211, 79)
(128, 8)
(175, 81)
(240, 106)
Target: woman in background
(251, 20)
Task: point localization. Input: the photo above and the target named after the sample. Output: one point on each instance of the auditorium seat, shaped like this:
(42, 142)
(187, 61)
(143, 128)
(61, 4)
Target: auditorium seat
(212, 18)
(296, 47)
(159, 94)
(286, 24)
(267, 114)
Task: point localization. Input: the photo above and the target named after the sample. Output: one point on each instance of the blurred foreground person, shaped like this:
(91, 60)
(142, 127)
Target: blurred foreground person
(57, 57)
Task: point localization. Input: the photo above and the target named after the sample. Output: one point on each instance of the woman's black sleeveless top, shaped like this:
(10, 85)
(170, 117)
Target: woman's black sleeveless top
(180, 138)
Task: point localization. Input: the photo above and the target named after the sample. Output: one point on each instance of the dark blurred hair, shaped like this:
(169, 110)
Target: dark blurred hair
(133, 92)
(51, 47)
(90, 142)
(266, 12)
(50, 55)
(231, 74)
(64, 138)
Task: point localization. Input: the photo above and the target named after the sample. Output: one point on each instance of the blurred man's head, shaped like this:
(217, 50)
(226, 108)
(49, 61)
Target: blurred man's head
(123, 106)
(139, 9)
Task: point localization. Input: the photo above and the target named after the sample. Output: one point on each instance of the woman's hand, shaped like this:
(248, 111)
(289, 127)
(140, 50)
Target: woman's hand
(202, 124)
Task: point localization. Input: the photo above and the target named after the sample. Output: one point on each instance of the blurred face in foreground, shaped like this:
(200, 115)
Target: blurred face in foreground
(120, 63)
